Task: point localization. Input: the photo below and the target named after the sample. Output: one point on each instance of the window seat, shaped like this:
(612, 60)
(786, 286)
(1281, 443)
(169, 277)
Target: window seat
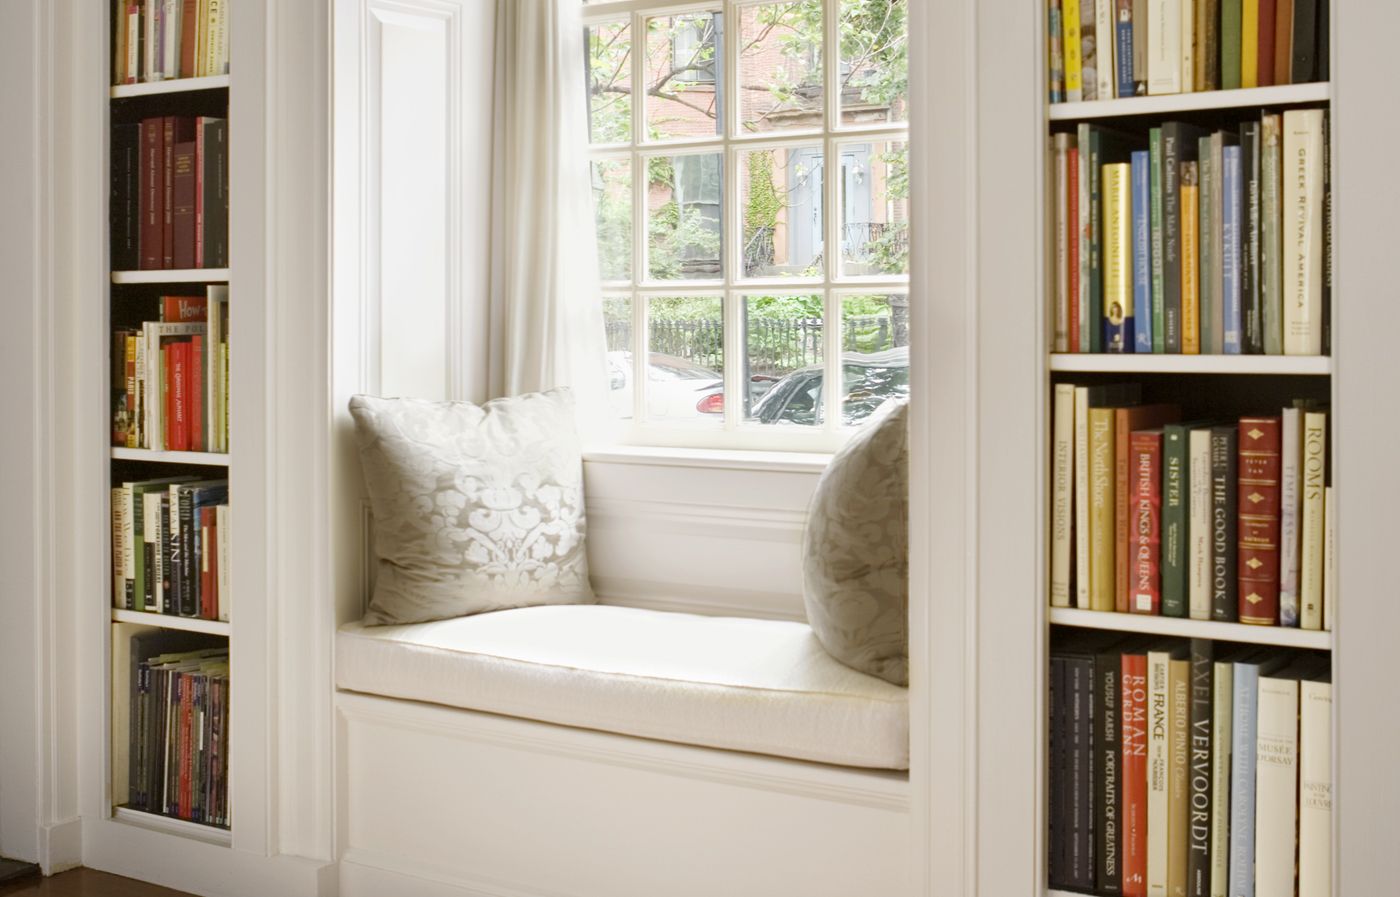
(757, 686)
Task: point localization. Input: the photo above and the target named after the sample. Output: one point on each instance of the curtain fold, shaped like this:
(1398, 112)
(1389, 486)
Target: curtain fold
(546, 314)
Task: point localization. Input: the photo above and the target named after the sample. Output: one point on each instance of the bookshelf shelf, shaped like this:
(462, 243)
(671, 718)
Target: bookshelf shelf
(173, 275)
(169, 621)
(1277, 636)
(212, 834)
(1273, 365)
(207, 459)
(1280, 95)
(174, 85)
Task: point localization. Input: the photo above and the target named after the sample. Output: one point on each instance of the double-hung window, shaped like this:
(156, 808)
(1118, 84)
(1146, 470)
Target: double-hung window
(750, 183)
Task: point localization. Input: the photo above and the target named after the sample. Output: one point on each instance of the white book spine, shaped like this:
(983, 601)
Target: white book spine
(118, 550)
(1302, 232)
(1315, 790)
(1314, 506)
(1290, 513)
(133, 44)
(1186, 9)
(1329, 559)
(149, 58)
(1081, 497)
(128, 537)
(221, 522)
(1158, 769)
(1062, 501)
(1163, 46)
(171, 39)
(155, 400)
(1276, 788)
(151, 536)
(1223, 702)
(1198, 547)
(1108, 48)
(1062, 232)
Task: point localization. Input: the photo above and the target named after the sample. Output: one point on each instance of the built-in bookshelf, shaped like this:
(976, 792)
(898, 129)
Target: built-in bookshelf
(169, 308)
(1147, 447)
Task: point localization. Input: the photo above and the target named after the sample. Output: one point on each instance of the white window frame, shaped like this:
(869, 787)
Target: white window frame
(735, 432)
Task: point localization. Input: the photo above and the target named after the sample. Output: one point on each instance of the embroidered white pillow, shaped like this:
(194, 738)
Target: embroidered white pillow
(476, 507)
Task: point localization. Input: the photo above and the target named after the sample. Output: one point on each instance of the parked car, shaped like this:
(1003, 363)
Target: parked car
(869, 380)
(677, 388)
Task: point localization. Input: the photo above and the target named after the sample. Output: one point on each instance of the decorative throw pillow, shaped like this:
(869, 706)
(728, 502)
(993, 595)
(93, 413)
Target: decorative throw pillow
(855, 550)
(476, 507)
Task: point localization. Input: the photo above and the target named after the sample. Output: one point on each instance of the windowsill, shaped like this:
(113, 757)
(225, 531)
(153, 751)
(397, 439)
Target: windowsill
(721, 459)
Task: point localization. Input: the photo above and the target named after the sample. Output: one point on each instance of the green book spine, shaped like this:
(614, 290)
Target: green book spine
(1231, 14)
(1159, 328)
(1095, 310)
(1206, 241)
(138, 533)
(1175, 518)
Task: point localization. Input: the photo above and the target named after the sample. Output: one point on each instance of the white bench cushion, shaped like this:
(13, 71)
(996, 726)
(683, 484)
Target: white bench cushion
(761, 686)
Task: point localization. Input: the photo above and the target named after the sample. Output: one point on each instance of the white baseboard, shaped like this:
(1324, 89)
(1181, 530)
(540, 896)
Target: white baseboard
(61, 846)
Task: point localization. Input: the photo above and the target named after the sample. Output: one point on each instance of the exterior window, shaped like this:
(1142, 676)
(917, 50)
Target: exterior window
(750, 183)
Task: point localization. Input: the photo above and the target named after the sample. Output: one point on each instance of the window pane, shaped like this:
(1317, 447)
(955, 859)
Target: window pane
(781, 191)
(685, 360)
(612, 208)
(874, 61)
(685, 76)
(874, 208)
(780, 66)
(783, 359)
(685, 199)
(610, 83)
(617, 325)
(874, 353)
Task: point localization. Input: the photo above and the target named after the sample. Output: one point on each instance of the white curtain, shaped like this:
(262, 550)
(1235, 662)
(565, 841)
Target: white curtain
(547, 318)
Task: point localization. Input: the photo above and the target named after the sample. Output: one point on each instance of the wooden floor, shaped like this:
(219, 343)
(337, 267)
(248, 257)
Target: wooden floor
(85, 883)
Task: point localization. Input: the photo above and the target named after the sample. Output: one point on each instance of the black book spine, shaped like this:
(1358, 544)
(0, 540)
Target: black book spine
(167, 599)
(1249, 269)
(1304, 41)
(1223, 504)
(1108, 754)
(189, 603)
(1202, 709)
(148, 552)
(216, 193)
(125, 218)
(133, 763)
(1056, 859)
(1324, 38)
(1081, 730)
(176, 553)
(155, 750)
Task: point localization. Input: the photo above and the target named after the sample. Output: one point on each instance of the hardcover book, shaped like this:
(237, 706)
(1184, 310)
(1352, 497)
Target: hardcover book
(1190, 312)
(1198, 825)
(1231, 214)
(1250, 295)
(1118, 258)
(1061, 522)
(1199, 520)
(1108, 748)
(1223, 519)
(1270, 233)
(1158, 241)
(1302, 230)
(1163, 47)
(1134, 768)
(1315, 790)
(1144, 516)
(1259, 500)
(1126, 421)
(1314, 484)
(1179, 772)
(1290, 513)
(1143, 333)
(1276, 795)
(1220, 762)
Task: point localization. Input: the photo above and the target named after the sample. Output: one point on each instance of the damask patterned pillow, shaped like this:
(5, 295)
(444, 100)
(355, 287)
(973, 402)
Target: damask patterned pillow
(855, 564)
(476, 507)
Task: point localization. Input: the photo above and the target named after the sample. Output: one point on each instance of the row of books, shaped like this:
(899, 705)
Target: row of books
(157, 40)
(177, 763)
(170, 547)
(170, 193)
(1102, 49)
(1189, 771)
(1227, 521)
(170, 377)
(1183, 240)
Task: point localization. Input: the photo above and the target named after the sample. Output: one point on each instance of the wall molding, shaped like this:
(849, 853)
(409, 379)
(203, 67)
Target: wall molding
(685, 518)
(677, 597)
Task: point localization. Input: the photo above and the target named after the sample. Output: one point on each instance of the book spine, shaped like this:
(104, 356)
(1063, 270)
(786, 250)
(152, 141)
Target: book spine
(1199, 524)
(1171, 237)
(1062, 500)
(1089, 50)
(1314, 499)
(1271, 234)
(1158, 770)
(1304, 67)
(1231, 215)
(216, 195)
(1216, 236)
(1143, 333)
(1302, 231)
(1179, 772)
(1102, 475)
(1276, 795)
(1326, 230)
(189, 29)
(1190, 257)
(1259, 500)
(1207, 244)
(177, 551)
(1094, 309)
(1329, 557)
(1163, 47)
(1224, 699)
(1315, 790)
(126, 196)
(1144, 542)
(1140, 30)
(1175, 531)
(1250, 298)
(1187, 11)
(1207, 44)
(1062, 273)
(1198, 824)
(167, 202)
(178, 378)
(1125, 85)
(1084, 203)
(1117, 256)
(1074, 84)
(1135, 763)
(155, 570)
(1057, 870)
(206, 569)
(133, 44)
(1107, 763)
(136, 513)
(1223, 586)
(152, 166)
(182, 216)
(221, 524)
(1242, 786)
(1082, 561)
(1104, 27)
(1231, 13)
(118, 549)
(188, 602)
(1055, 50)
(1265, 54)
(1290, 514)
(1081, 870)
(1158, 236)
(167, 580)
(1249, 43)
(1078, 328)
(195, 392)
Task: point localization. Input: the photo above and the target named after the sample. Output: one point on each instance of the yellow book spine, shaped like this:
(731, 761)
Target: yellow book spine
(1313, 551)
(1190, 249)
(1101, 509)
(1118, 248)
(1074, 61)
(1249, 44)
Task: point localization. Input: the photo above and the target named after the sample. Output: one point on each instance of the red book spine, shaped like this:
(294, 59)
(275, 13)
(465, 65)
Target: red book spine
(1073, 252)
(194, 393)
(168, 192)
(178, 387)
(1133, 822)
(1145, 523)
(199, 192)
(207, 605)
(189, 23)
(182, 205)
(1268, 11)
(152, 166)
(167, 394)
(1260, 502)
(184, 309)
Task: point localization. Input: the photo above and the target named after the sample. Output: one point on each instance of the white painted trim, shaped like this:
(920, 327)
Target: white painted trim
(708, 459)
(690, 599)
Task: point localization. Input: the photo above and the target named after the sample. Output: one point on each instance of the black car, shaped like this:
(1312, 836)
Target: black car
(869, 380)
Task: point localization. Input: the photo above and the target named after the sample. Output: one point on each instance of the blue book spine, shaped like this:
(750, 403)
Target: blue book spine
(1142, 254)
(1123, 58)
(1232, 217)
(1243, 732)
